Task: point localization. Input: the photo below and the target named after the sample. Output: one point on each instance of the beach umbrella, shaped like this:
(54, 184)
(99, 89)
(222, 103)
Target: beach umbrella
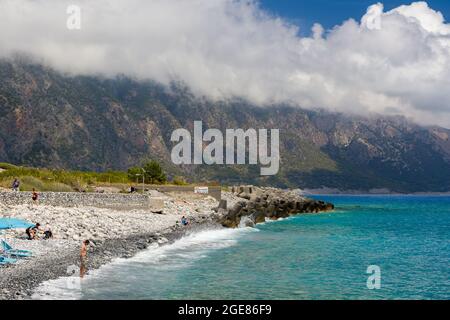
(13, 223)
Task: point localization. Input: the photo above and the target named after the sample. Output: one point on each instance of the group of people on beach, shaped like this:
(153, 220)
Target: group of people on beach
(15, 186)
(34, 233)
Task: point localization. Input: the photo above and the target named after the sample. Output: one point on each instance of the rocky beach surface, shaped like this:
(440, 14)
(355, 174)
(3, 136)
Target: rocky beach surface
(121, 233)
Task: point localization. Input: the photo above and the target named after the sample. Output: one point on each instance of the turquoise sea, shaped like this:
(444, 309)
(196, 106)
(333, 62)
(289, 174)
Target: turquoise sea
(314, 256)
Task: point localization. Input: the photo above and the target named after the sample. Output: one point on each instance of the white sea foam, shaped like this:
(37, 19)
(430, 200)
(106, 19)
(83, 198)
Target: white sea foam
(180, 254)
(268, 220)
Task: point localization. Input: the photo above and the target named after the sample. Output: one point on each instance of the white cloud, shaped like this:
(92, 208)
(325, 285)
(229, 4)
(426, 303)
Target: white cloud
(225, 48)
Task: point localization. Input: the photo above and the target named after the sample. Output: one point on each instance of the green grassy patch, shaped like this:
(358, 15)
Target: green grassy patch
(57, 180)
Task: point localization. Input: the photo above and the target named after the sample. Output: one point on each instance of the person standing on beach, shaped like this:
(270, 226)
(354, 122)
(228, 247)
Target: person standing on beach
(83, 257)
(16, 184)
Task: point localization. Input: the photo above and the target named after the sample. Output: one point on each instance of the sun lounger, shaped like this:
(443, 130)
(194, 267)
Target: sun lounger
(7, 249)
(5, 261)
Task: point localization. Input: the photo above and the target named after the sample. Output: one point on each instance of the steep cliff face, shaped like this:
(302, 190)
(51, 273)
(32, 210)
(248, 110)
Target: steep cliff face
(53, 120)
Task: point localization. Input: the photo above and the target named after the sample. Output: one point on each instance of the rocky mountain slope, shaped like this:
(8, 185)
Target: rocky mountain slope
(52, 120)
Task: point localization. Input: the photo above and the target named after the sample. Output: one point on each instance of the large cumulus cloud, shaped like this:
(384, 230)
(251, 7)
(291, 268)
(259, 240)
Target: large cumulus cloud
(395, 62)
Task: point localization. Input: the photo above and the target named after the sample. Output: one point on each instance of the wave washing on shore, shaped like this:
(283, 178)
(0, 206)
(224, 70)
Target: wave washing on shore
(162, 259)
(310, 256)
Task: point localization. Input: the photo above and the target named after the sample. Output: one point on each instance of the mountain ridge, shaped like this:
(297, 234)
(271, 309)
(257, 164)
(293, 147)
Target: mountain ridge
(90, 123)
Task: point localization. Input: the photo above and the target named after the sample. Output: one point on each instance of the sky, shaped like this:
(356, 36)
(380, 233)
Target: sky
(330, 13)
(354, 57)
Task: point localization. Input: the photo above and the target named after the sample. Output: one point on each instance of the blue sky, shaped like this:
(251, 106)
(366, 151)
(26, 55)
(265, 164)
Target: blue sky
(329, 13)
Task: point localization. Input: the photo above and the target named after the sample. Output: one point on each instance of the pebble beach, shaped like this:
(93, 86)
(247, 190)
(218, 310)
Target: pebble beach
(119, 226)
(113, 233)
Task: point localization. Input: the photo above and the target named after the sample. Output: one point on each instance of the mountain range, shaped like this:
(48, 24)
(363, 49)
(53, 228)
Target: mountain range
(50, 119)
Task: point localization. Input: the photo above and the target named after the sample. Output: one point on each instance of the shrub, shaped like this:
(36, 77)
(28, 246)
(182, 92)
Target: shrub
(57, 187)
(134, 173)
(154, 173)
(179, 181)
(27, 183)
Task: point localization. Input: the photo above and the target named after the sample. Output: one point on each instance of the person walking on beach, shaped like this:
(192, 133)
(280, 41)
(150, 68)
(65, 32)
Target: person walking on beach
(83, 257)
(16, 185)
(35, 196)
(184, 221)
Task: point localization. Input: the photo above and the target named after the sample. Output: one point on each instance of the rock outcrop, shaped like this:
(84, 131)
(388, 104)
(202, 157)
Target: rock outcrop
(258, 204)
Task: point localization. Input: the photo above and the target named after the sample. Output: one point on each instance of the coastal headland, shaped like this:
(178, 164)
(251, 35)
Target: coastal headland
(120, 225)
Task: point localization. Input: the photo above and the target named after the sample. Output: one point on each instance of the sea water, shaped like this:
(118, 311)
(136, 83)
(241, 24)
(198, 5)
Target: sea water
(310, 256)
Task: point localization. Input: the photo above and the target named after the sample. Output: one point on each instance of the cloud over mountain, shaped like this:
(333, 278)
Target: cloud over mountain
(395, 62)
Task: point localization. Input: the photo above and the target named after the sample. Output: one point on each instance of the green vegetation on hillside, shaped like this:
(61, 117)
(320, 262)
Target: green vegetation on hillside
(152, 172)
(65, 180)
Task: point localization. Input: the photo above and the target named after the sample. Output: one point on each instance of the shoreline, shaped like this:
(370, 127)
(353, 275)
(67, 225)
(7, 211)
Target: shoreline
(131, 231)
(114, 233)
(20, 284)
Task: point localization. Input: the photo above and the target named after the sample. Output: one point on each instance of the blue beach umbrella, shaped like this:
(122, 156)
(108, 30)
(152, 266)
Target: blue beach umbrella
(13, 223)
